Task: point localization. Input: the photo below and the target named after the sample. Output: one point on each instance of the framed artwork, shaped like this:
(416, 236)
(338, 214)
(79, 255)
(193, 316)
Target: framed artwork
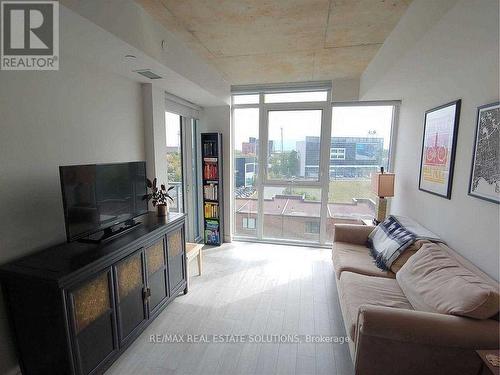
(485, 172)
(438, 149)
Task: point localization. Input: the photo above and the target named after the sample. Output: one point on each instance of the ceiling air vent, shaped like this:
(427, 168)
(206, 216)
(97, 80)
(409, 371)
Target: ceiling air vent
(148, 74)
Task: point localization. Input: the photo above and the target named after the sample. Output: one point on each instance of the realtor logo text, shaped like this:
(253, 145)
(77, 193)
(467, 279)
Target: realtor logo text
(30, 35)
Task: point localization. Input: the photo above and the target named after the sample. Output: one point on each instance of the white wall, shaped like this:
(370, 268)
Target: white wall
(218, 119)
(456, 57)
(76, 115)
(186, 74)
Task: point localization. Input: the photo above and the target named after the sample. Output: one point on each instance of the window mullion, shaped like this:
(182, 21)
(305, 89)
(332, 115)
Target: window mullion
(324, 166)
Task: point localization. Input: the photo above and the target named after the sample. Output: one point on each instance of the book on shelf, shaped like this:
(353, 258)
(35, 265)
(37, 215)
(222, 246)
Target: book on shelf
(209, 148)
(210, 171)
(211, 210)
(212, 237)
(210, 191)
(212, 224)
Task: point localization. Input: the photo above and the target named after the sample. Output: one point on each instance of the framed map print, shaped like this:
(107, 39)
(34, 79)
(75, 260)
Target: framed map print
(485, 172)
(438, 149)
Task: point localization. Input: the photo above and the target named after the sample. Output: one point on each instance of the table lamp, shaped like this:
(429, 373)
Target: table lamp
(383, 187)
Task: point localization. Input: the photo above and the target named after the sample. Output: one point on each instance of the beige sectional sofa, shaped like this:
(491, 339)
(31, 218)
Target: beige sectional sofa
(427, 317)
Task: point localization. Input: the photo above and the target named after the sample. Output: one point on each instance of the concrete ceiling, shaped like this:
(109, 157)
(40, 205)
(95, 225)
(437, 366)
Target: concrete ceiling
(264, 41)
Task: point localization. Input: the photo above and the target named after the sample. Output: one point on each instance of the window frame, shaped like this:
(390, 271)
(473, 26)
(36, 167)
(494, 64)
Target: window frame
(323, 180)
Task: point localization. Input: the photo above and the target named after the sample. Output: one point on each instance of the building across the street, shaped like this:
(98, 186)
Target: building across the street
(350, 157)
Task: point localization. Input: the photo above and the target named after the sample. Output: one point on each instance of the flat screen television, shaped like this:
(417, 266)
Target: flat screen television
(99, 196)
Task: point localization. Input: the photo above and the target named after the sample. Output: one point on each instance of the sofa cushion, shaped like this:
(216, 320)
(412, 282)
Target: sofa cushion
(435, 280)
(355, 258)
(403, 258)
(356, 290)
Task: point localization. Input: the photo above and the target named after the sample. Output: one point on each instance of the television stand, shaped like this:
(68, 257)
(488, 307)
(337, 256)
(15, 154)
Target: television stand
(74, 308)
(109, 234)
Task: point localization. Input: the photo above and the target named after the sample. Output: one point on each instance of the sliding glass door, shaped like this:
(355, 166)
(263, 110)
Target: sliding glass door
(301, 165)
(182, 169)
(291, 187)
(173, 125)
(193, 178)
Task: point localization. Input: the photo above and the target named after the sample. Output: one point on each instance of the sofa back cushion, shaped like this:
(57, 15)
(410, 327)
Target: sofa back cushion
(436, 280)
(407, 254)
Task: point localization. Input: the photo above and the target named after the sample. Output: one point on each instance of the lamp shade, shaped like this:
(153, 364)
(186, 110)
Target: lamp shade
(383, 184)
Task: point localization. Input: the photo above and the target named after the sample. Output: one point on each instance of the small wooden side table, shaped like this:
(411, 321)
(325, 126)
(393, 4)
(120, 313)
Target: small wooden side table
(193, 250)
(486, 367)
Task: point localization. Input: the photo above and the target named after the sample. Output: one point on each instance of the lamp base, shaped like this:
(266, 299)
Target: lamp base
(380, 210)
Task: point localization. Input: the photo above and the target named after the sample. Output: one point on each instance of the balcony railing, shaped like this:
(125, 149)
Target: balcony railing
(176, 194)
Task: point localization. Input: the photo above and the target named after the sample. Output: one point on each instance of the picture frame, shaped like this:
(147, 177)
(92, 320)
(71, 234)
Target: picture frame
(484, 181)
(439, 143)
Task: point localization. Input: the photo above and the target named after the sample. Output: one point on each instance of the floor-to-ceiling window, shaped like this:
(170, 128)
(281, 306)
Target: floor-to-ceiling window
(302, 165)
(246, 164)
(360, 145)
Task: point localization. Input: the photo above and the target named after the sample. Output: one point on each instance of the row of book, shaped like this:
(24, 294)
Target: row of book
(210, 171)
(212, 231)
(211, 210)
(210, 191)
(210, 148)
(212, 237)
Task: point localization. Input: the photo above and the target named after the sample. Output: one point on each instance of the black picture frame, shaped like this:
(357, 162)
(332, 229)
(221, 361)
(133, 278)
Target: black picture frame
(474, 152)
(457, 104)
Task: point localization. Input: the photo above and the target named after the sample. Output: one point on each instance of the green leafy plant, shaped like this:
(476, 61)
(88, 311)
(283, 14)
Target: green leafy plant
(158, 195)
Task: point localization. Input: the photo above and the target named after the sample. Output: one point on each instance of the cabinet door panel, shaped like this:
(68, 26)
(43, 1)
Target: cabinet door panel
(157, 273)
(92, 312)
(130, 299)
(96, 344)
(176, 258)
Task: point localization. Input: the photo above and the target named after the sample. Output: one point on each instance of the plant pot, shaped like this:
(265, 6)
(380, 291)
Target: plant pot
(162, 210)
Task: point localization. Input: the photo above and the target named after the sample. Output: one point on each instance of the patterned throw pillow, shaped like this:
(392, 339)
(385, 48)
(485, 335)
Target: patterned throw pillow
(388, 241)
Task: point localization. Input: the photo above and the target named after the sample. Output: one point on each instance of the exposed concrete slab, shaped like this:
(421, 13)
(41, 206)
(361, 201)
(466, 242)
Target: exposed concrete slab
(343, 62)
(359, 22)
(279, 67)
(262, 41)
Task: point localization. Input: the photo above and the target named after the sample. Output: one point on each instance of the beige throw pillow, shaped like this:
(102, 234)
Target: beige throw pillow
(434, 281)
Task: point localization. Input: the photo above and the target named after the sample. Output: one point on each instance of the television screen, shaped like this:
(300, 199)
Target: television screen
(99, 196)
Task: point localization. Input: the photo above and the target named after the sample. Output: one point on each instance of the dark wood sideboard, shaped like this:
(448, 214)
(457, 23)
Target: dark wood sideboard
(75, 307)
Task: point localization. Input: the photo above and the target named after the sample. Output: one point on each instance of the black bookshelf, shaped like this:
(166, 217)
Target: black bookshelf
(211, 161)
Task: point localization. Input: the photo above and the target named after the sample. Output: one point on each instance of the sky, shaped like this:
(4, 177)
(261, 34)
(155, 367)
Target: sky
(173, 127)
(353, 121)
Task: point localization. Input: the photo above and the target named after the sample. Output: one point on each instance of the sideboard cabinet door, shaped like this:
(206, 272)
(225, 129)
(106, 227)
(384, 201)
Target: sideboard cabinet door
(156, 263)
(176, 259)
(93, 322)
(130, 294)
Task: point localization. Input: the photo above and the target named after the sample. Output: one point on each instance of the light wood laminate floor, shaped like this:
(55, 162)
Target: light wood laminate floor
(248, 289)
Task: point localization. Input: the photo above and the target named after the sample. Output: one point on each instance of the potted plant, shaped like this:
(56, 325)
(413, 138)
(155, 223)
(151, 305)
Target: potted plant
(159, 196)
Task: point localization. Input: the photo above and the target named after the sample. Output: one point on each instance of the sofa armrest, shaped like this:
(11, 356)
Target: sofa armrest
(394, 341)
(421, 327)
(352, 233)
